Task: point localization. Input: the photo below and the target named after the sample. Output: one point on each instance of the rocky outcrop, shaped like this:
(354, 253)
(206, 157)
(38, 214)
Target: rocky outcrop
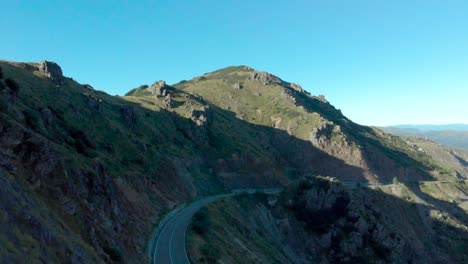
(296, 87)
(288, 94)
(265, 77)
(199, 117)
(237, 86)
(158, 89)
(168, 102)
(321, 134)
(88, 86)
(329, 138)
(52, 70)
(322, 98)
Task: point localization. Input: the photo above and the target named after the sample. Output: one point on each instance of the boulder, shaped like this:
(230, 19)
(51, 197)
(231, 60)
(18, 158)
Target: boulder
(237, 86)
(52, 70)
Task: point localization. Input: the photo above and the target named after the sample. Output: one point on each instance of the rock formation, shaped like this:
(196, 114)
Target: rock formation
(168, 101)
(52, 70)
(265, 77)
(296, 87)
(237, 86)
(158, 89)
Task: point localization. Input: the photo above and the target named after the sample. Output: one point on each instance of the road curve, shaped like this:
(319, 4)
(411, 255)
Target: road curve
(170, 243)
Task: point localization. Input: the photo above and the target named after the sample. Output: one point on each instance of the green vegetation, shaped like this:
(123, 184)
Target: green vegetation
(114, 253)
(139, 91)
(13, 85)
(201, 222)
(238, 231)
(120, 158)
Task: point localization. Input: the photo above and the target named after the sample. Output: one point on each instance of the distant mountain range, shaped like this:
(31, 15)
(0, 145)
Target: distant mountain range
(428, 127)
(455, 135)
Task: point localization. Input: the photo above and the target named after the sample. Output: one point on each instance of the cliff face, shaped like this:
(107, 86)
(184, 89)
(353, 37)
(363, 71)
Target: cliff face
(315, 220)
(87, 175)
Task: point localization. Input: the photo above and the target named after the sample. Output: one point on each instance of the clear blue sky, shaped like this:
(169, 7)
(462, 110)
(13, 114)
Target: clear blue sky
(380, 62)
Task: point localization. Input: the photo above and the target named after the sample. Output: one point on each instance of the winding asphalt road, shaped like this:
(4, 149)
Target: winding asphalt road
(170, 243)
(170, 239)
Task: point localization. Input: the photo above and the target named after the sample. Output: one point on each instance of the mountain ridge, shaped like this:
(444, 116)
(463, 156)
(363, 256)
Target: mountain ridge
(432, 127)
(456, 136)
(98, 171)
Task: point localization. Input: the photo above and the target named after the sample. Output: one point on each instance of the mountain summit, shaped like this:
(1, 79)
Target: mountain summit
(86, 175)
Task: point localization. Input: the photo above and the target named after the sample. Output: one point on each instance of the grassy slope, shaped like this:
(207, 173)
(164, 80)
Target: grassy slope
(271, 105)
(121, 160)
(86, 128)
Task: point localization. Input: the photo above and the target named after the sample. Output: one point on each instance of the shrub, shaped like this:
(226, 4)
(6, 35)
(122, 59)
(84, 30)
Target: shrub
(114, 254)
(32, 119)
(80, 141)
(261, 197)
(13, 85)
(201, 221)
(211, 255)
(1, 73)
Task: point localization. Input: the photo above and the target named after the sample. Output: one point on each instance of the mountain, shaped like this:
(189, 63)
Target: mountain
(450, 135)
(87, 176)
(460, 127)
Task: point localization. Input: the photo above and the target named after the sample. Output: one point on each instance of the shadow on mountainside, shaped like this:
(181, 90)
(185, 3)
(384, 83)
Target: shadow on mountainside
(328, 221)
(432, 240)
(105, 166)
(382, 160)
(312, 223)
